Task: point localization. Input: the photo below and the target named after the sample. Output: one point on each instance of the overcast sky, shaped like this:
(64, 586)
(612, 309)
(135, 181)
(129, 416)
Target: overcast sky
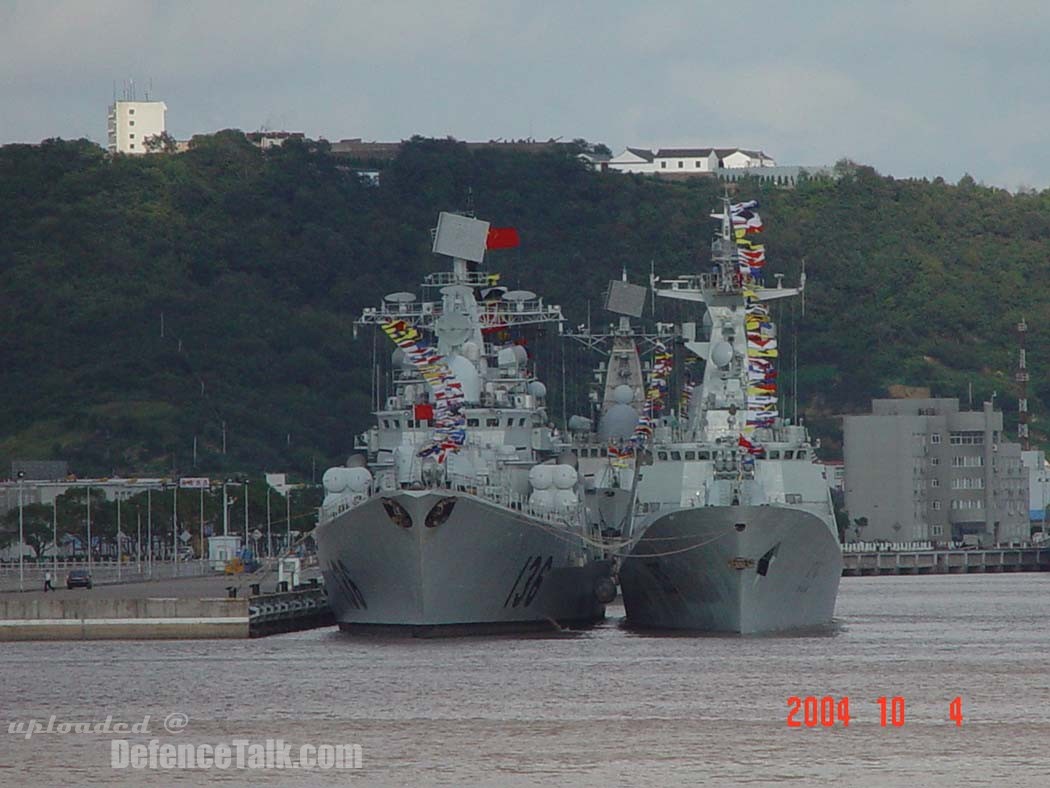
(941, 87)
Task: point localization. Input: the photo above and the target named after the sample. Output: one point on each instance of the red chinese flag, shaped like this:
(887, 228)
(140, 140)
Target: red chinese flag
(502, 238)
(424, 412)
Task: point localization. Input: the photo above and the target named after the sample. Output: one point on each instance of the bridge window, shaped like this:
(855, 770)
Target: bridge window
(676, 455)
(690, 455)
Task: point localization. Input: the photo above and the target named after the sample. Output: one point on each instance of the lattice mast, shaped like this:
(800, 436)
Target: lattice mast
(1022, 382)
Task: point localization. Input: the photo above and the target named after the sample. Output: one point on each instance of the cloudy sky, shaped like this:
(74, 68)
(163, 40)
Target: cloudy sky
(922, 88)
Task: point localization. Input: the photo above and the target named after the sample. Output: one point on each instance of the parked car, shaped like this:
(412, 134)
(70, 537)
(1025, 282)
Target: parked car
(78, 578)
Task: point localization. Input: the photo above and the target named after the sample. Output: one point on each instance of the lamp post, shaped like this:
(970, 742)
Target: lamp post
(149, 531)
(54, 526)
(21, 537)
(175, 530)
(269, 544)
(90, 562)
(202, 520)
(288, 517)
(246, 537)
(118, 534)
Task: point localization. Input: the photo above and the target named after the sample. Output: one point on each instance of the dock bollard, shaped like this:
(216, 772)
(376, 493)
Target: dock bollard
(231, 592)
(255, 589)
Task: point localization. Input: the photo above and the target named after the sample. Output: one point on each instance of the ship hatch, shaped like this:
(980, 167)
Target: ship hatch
(440, 513)
(767, 559)
(397, 513)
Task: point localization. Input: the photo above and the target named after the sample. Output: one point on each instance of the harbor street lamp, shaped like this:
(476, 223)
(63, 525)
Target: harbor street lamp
(117, 492)
(21, 536)
(246, 534)
(89, 529)
(54, 527)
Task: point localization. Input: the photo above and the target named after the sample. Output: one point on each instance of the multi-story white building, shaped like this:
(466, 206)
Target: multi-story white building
(131, 123)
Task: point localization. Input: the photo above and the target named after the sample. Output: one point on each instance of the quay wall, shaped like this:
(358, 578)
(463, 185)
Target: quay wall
(131, 619)
(929, 562)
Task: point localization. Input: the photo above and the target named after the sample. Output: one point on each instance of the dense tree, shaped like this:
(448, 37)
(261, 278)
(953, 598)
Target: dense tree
(153, 302)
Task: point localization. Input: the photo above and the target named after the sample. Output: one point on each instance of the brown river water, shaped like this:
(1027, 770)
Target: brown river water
(605, 706)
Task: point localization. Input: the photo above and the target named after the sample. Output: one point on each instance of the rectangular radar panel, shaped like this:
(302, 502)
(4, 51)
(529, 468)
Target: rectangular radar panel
(461, 236)
(625, 299)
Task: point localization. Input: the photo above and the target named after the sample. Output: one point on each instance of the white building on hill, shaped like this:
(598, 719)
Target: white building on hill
(688, 161)
(133, 122)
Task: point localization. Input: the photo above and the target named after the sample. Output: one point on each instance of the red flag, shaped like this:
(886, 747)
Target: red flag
(424, 412)
(502, 238)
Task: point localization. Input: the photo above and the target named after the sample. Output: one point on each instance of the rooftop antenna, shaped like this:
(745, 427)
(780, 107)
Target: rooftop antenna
(470, 202)
(1022, 379)
(802, 286)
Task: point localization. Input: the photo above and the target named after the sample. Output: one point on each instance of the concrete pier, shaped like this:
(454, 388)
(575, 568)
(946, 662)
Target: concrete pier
(930, 562)
(189, 608)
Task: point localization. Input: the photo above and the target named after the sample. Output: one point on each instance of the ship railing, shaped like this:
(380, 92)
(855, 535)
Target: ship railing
(502, 496)
(470, 279)
(885, 546)
(413, 311)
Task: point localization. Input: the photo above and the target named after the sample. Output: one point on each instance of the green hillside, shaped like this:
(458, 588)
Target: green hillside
(149, 301)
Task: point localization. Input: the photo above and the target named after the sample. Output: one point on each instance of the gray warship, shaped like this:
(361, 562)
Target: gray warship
(733, 527)
(461, 514)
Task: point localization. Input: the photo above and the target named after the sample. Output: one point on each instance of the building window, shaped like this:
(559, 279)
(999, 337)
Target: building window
(698, 165)
(935, 482)
(681, 164)
(132, 146)
(935, 460)
(131, 110)
(936, 530)
(131, 123)
(131, 136)
(491, 422)
(968, 438)
(935, 438)
(937, 505)
(663, 165)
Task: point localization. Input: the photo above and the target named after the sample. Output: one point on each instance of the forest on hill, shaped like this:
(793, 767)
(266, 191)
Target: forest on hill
(155, 303)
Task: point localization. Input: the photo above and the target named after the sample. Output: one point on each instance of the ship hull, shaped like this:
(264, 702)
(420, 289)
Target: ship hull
(696, 569)
(483, 569)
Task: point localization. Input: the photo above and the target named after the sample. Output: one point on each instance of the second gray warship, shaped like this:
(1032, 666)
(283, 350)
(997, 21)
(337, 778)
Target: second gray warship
(733, 528)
